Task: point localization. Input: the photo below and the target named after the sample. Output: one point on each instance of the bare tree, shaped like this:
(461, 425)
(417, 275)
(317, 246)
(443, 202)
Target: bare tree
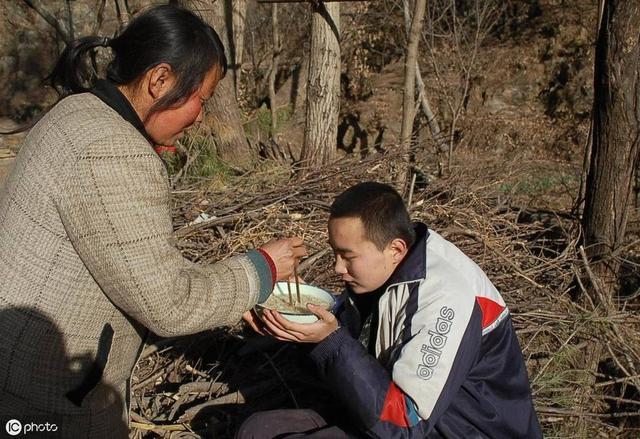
(637, 189)
(99, 17)
(64, 27)
(274, 67)
(323, 90)
(408, 100)
(64, 30)
(122, 10)
(613, 158)
(239, 18)
(458, 29)
(616, 137)
(432, 121)
(222, 114)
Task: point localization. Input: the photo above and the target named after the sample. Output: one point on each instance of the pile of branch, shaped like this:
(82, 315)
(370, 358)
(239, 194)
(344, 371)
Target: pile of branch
(204, 386)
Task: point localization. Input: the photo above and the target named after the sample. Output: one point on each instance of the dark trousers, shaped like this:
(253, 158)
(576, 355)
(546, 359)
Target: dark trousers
(289, 424)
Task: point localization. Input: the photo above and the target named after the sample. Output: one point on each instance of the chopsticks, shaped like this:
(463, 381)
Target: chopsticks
(295, 276)
(289, 290)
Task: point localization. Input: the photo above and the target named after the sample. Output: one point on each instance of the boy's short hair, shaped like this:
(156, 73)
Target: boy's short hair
(381, 210)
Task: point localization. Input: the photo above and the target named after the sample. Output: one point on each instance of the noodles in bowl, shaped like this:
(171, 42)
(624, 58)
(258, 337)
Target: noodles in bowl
(298, 312)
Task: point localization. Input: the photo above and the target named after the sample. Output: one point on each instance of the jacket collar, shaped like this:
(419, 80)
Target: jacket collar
(412, 269)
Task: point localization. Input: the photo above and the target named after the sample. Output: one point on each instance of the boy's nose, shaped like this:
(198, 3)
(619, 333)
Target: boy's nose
(340, 266)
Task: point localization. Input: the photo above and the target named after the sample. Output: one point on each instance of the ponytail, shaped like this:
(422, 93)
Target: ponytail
(71, 75)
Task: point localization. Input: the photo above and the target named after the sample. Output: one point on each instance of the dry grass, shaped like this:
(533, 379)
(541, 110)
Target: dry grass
(204, 386)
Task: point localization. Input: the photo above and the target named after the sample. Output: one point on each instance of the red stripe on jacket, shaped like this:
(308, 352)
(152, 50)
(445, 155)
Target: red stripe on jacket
(490, 310)
(395, 408)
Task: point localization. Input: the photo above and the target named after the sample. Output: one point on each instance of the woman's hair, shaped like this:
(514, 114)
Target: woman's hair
(381, 210)
(163, 34)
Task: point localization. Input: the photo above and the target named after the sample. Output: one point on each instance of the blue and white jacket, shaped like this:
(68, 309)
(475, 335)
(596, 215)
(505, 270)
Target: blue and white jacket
(443, 359)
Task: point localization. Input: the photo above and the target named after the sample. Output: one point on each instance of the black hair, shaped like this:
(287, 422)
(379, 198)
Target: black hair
(163, 34)
(381, 210)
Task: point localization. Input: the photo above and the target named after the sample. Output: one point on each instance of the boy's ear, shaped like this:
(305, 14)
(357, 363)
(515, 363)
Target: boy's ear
(398, 249)
(160, 80)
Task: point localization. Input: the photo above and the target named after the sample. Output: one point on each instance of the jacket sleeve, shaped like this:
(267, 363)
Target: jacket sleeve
(428, 372)
(115, 207)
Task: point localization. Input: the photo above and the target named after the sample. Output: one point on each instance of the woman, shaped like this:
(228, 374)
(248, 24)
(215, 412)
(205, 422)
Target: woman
(86, 260)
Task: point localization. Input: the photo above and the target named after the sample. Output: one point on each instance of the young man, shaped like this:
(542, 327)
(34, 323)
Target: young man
(423, 345)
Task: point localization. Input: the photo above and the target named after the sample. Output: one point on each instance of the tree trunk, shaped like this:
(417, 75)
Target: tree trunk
(239, 13)
(62, 28)
(638, 185)
(274, 67)
(408, 100)
(222, 114)
(293, 93)
(323, 90)
(299, 84)
(614, 154)
(434, 127)
(616, 137)
(124, 17)
(294, 90)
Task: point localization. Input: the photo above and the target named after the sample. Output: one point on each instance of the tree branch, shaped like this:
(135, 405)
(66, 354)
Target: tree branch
(59, 26)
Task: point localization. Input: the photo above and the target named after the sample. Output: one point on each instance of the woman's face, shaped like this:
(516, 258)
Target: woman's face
(166, 126)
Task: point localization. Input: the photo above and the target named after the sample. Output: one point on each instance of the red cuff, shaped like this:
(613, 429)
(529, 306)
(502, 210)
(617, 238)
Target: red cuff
(272, 266)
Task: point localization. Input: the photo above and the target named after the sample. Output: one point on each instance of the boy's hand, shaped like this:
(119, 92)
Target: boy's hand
(315, 332)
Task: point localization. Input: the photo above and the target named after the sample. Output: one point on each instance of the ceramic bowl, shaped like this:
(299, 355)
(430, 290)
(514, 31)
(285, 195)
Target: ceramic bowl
(279, 301)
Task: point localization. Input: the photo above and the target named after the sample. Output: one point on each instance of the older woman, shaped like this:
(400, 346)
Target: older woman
(86, 260)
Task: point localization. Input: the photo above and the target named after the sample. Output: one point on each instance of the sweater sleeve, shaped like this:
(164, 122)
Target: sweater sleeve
(115, 207)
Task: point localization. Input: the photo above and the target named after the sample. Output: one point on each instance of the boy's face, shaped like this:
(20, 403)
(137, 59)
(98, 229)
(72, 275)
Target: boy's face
(362, 265)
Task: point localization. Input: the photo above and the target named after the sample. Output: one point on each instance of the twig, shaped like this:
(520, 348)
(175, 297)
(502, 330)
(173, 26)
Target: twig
(157, 427)
(157, 374)
(238, 397)
(307, 263)
(51, 19)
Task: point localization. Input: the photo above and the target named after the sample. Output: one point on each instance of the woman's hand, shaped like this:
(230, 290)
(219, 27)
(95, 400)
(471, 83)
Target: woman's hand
(285, 330)
(285, 254)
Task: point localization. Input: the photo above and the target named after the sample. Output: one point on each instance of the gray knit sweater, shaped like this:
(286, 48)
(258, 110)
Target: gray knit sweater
(87, 266)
